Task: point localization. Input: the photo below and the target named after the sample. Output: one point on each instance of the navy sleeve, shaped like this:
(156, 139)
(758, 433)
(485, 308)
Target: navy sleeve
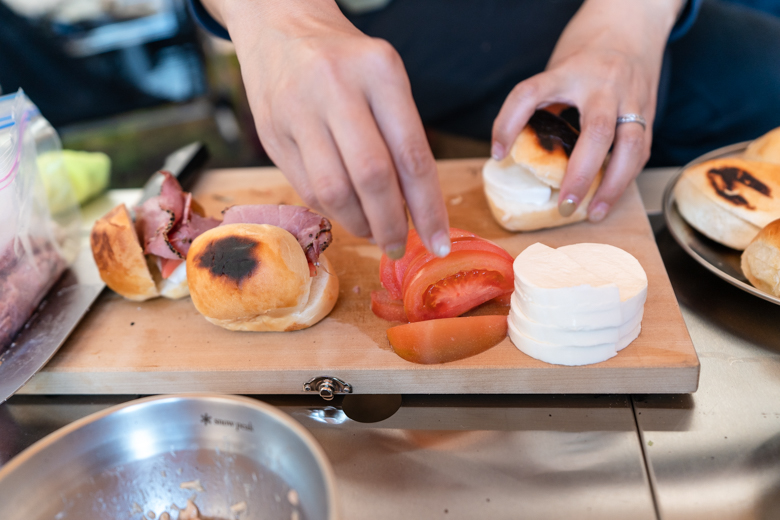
(683, 24)
(686, 19)
(206, 20)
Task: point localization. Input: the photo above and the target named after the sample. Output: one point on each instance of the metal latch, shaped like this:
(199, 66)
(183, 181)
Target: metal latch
(327, 386)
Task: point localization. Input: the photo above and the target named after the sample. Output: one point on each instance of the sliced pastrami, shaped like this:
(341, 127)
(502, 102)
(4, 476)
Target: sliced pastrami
(166, 224)
(312, 230)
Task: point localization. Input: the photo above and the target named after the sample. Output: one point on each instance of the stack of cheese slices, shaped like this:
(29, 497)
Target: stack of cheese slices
(578, 304)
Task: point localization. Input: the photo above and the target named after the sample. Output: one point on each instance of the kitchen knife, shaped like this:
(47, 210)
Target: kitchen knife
(72, 295)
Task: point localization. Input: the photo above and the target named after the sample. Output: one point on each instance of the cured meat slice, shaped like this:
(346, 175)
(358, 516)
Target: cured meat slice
(312, 230)
(167, 223)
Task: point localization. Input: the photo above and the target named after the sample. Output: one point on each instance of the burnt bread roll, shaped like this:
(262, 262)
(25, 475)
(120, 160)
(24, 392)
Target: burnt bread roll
(544, 147)
(766, 148)
(761, 259)
(122, 264)
(256, 277)
(523, 189)
(144, 258)
(729, 200)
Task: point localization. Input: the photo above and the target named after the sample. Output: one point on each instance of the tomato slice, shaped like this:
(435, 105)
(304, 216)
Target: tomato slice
(449, 339)
(168, 266)
(414, 249)
(387, 308)
(388, 278)
(459, 244)
(448, 287)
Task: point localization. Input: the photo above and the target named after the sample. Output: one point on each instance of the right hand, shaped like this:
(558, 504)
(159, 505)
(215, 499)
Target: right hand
(334, 110)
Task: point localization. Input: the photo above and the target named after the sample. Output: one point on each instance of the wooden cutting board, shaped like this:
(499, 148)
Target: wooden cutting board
(164, 346)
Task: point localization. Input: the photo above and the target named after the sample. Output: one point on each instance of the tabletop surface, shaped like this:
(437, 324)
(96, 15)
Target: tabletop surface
(711, 454)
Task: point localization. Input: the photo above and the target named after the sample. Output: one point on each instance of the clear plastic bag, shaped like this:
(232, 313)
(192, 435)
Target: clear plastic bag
(36, 245)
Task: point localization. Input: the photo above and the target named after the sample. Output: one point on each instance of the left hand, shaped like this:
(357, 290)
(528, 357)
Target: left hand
(607, 63)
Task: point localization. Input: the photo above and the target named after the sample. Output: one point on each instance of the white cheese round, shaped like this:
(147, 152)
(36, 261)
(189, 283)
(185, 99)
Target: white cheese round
(577, 304)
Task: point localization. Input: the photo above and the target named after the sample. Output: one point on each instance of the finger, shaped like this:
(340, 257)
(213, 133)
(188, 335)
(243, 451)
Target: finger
(286, 155)
(400, 124)
(598, 118)
(629, 155)
(372, 173)
(329, 180)
(518, 108)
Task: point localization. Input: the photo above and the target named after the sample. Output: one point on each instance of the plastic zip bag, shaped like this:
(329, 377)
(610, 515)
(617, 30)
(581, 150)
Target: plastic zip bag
(35, 245)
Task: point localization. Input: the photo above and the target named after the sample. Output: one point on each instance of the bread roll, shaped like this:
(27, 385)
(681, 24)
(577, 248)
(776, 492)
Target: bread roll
(766, 148)
(761, 259)
(520, 216)
(523, 189)
(544, 146)
(120, 258)
(122, 264)
(255, 277)
(729, 200)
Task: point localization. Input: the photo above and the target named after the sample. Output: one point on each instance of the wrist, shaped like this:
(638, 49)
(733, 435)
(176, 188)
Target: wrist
(637, 27)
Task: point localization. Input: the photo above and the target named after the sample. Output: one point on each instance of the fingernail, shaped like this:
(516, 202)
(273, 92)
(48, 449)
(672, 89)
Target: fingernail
(497, 151)
(568, 206)
(395, 251)
(440, 243)
(598, 213)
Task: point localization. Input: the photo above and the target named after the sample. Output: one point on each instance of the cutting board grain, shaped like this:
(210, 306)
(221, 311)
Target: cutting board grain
(164, 346)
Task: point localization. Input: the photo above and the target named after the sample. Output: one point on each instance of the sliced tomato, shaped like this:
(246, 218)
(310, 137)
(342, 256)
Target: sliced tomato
(168, 266)
(387, 308)
(448, 287)
(414, 249)
(450, 339)
(459, 244)
(388, 278)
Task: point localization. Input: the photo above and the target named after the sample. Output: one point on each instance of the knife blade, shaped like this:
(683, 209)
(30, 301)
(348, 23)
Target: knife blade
(71, 297)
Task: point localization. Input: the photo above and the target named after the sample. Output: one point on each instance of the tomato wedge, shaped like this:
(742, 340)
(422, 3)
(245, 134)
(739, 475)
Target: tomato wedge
(414, 249)
(448, 287)
(387, 308)
(449, 339)
(459, 244)
(168, 266)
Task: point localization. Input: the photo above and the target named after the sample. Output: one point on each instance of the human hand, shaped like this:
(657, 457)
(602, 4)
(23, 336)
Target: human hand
(334, 110)
(607, 63)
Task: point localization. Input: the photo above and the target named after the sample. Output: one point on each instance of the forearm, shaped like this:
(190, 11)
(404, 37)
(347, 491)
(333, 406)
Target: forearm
(636, 27)
(292, 18)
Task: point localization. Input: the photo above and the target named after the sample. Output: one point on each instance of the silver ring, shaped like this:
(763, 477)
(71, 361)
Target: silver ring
(632, 118)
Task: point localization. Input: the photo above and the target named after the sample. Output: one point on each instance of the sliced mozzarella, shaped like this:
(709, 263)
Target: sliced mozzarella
(568, 355)
(610, 262)
(560, 336)
(545, 276)
(583, 337)
(561, 355)
(512, 182)
(570, 318)
(175, 286)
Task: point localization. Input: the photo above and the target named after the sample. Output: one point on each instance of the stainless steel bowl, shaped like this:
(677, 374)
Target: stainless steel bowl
(151, 456)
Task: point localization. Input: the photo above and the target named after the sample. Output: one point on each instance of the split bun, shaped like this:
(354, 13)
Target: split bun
(729, 200)
(122, 264)
(761, 259)
(523, 189)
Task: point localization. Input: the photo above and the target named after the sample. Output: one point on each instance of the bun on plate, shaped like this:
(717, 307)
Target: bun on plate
(766, 148)
(522, 190)
(761, 259)
(729, 200)
(256, 277)
(122, 264)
